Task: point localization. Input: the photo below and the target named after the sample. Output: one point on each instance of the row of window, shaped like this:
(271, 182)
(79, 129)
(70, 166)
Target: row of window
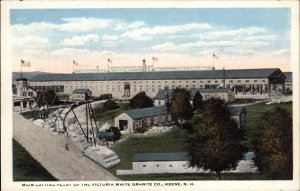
(134, 82)
(170, 165)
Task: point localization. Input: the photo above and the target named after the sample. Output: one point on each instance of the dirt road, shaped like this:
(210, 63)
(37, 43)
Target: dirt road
(49, 150)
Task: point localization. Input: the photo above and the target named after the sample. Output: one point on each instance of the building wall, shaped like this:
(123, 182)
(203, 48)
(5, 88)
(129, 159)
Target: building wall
(124, 116)
(151, 87)
(159, 167)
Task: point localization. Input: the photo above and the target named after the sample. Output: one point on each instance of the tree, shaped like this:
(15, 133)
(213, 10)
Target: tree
(216, 141)
(141, 100)
(274, 150)
(180, 106)
(197, 101)
(110, 105)
(48, 97)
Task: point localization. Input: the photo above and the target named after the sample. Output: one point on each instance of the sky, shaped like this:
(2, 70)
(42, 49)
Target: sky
(50, 39)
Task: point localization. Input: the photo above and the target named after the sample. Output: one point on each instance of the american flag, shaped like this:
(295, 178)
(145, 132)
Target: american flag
(25, 64)
(154, 59)
(215, 56)
(75, 63)
(109, 60)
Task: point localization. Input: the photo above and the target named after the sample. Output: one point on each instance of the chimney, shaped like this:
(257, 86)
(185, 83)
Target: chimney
(144, 65)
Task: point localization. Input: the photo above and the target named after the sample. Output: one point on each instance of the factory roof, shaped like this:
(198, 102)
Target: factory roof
(203, 74)
(146, 112)
(143, 157)
(81, 91)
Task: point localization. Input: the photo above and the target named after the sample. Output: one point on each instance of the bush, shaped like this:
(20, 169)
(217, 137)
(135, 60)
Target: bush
(141, 100)
(110, 105)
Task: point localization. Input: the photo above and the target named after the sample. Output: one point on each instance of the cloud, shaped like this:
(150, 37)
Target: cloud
(30, 42)
(83, 24)
(80, 40)
(136, 24)
(146, 32)
(107, 37)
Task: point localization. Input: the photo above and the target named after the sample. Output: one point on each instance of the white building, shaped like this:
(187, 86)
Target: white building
(80, 94)
(247, 82)
(159, 163)
(136, 120)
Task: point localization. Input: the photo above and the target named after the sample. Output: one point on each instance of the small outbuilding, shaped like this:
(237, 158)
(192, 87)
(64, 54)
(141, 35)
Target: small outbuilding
(136, 120)
(238, 113)
(81, 94)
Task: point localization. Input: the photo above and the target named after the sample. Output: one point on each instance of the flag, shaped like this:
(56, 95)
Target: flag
(109, 60)
(215, 56)
(25, 64)
(75, 63)
(154, 59)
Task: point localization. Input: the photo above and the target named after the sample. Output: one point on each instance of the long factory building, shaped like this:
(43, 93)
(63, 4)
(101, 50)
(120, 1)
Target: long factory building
(124, 85)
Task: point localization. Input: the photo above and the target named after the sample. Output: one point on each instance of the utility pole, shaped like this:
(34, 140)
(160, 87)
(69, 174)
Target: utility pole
(223, 78)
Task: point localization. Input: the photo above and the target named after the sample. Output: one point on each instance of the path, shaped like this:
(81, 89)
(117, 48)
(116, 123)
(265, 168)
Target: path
(49, 150)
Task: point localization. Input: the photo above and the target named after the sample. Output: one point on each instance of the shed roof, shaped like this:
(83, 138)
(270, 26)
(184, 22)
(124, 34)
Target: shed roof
(237, 110)
(104, 134)
(146, 112)
(203, 74)
(289, 76)
(143, 157)
(80, 91)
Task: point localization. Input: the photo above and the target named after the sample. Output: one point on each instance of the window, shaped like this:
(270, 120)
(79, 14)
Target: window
(194, 86)
(255, 80)
(173, 81)
(216, 81)
(157, 165)
(184, 165)
(247, 80)
(230, 81)
(193, 81)
(208, 81)
(159, 102)
(263, 80)
(159, 87)
(187, 86)
(239, 80)
(24, 93)
(170, 165)
(144, 165)
(201, 81)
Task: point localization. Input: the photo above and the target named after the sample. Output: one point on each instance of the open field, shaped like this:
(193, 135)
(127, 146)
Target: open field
(26, 168)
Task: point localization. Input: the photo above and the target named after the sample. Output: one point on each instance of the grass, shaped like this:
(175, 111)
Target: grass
(26, 168)
(172, 141)
(254, 113)
(243, 101)
(102, 115)
(192, 176)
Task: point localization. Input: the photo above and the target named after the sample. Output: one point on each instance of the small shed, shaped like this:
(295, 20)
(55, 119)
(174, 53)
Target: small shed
(136, 120)
(238, 113)
(81, 94)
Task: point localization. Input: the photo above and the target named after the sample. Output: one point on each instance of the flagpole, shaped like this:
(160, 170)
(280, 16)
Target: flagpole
(213, 61)
(21, 69)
